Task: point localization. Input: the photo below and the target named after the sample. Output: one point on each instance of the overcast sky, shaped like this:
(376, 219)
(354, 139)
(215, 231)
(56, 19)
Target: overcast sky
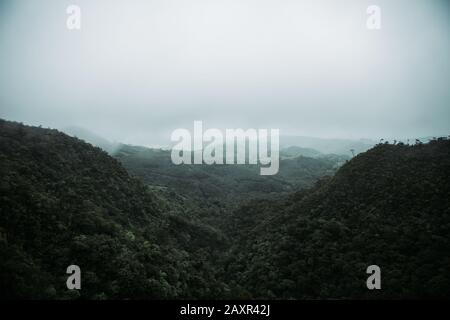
(139, 69)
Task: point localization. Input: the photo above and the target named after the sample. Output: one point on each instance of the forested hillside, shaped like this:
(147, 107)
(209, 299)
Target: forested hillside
(65, 202)
(209, 193)
(389, 206)
(223, 182)
(176, 232)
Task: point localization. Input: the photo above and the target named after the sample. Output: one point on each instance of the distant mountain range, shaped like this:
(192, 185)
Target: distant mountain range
(311, 147)
(328, 146)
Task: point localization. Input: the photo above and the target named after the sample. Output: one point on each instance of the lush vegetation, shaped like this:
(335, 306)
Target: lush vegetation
(65, 202)
(389, 206)
(211, 192)
(140, 227)
(219, 182)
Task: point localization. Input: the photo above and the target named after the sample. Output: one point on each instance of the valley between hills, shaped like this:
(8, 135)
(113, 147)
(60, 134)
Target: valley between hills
(140, 227)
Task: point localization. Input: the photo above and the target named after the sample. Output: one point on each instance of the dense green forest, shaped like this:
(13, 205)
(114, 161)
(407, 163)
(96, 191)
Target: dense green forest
(66, 202)
(389, 206)
(140, 227)
(211, 192)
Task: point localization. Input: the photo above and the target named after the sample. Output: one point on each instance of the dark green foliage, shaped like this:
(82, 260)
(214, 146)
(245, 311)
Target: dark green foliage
(389, 206)
(219, 231)
(210, 192)
(65, 202)
(221, 182)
